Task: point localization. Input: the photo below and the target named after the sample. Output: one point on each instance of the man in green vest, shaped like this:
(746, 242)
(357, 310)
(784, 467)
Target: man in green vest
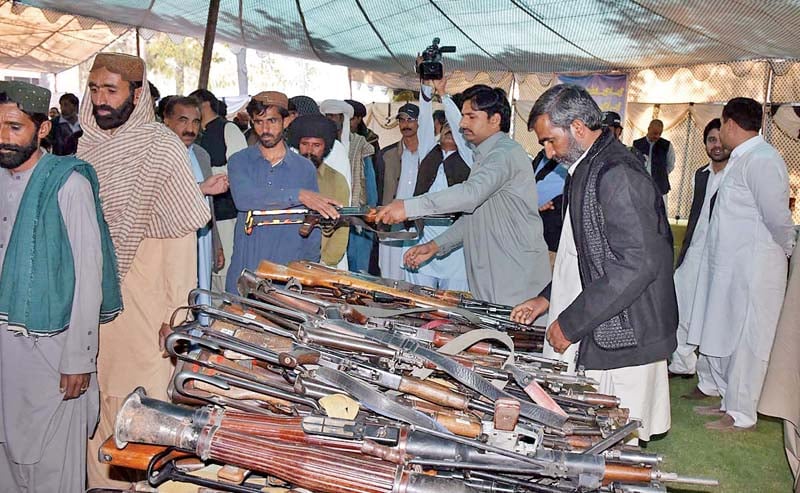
(58, 282)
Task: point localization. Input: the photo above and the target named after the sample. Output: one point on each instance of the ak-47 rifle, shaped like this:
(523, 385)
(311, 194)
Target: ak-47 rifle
(363, 217)
(309, 274)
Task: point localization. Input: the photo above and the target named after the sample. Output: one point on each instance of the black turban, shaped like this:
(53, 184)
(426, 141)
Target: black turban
(303, 105)
(358, 108)
(318, 126)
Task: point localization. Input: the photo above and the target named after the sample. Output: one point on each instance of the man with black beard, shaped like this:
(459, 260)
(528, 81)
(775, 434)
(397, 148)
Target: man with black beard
(268, 176)
(707, 179)
(57, 282)
(314, 136)
(154, 208)
(612, 292)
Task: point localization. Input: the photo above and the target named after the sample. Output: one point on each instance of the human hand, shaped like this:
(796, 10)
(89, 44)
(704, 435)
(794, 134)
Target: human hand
(392, 214)
(163, 333)
(215, 185)
(555, 336)
(73, 386)
(320, 203)
(549, 206)
(528, 311)
(417, 255)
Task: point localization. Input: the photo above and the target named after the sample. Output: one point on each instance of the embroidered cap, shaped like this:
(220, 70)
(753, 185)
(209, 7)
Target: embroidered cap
(129, 67)
(30, 98)
(273, 98)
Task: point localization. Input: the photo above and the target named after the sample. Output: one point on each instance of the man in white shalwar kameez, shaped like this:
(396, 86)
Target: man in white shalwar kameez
(684, 361)
(743, 272)
(612, 298)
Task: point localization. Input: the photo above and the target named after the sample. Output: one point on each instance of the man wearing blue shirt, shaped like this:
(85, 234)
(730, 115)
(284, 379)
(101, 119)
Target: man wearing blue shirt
(267, 175)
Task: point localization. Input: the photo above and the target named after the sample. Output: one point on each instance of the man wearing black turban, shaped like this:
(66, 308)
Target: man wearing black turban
(313, 136)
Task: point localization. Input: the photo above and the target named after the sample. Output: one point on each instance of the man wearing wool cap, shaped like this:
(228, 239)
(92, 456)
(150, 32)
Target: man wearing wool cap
(48, 317)
(154, 208)
(266, 176)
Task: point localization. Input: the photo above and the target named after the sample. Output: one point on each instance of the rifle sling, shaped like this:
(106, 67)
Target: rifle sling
(460, 373)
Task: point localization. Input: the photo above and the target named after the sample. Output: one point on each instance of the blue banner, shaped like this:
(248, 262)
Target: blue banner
(610, 91)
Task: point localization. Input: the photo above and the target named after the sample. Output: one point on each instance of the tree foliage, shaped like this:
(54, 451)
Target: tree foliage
(180, 61)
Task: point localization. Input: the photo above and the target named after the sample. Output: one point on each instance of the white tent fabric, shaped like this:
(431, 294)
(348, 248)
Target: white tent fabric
(518, 36)
(49, 41)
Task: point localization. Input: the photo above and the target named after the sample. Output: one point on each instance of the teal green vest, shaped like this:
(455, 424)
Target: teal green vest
(38, 279)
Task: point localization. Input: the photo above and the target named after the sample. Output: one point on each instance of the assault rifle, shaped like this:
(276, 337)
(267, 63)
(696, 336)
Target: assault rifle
(361, 217)
(309, 274)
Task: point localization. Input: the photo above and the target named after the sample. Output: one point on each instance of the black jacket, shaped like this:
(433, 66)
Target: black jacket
(64, 142)
(658, 167)
(700, 183)
(455, 169)
(213, 141)
(639, 277)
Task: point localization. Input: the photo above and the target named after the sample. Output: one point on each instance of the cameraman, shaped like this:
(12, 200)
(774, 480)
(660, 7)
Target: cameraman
(447, 164)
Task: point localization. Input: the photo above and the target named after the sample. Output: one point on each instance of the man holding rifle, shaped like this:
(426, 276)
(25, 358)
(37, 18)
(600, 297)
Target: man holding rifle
(268, 175)
(501, 231)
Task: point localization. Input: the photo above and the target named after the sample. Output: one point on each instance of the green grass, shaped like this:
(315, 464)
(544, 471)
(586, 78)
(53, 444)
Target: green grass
(741, 461)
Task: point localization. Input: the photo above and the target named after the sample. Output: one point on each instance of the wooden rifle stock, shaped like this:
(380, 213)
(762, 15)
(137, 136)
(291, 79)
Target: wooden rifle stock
(433, 392)
(313, 275)
(137, 456)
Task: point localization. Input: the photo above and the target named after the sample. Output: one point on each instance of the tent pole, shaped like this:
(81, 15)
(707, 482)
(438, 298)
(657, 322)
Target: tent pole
(767, 106)
(138, 46)
(208, 43)
(512, 99)
(350, 82)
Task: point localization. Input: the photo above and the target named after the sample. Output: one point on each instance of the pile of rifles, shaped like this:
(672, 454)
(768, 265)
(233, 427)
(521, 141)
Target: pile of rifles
(321, 380)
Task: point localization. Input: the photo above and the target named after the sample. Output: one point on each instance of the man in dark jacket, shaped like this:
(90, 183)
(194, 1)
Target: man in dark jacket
(221, 139)
(66, 129)
(612, 292)
(658, 153)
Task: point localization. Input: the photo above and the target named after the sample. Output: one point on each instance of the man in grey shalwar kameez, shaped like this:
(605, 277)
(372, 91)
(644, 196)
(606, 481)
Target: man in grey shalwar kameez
(48, 391)
(501, 231)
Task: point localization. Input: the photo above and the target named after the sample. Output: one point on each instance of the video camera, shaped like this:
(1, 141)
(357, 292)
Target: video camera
(430, 68)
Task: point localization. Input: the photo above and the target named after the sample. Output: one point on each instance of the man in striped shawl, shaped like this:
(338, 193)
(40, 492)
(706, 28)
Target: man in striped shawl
(154, 208)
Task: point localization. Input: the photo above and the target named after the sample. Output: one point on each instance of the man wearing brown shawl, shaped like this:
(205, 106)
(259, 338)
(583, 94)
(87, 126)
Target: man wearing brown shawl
(154, 208)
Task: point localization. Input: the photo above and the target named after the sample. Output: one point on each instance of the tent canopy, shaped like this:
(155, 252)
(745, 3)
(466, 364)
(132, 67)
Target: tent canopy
(491, 35)
(44, 41)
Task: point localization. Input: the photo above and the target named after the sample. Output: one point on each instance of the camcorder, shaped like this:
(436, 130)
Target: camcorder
(430, 68)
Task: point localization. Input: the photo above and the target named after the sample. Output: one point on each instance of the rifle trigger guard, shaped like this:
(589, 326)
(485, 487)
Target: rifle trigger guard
(294, 283)
(176, 338)
(182, 377)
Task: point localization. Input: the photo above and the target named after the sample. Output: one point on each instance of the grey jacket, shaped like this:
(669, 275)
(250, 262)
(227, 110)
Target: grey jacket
(501, 231)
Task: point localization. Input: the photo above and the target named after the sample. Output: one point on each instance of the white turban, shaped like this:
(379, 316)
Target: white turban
(339, 107)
